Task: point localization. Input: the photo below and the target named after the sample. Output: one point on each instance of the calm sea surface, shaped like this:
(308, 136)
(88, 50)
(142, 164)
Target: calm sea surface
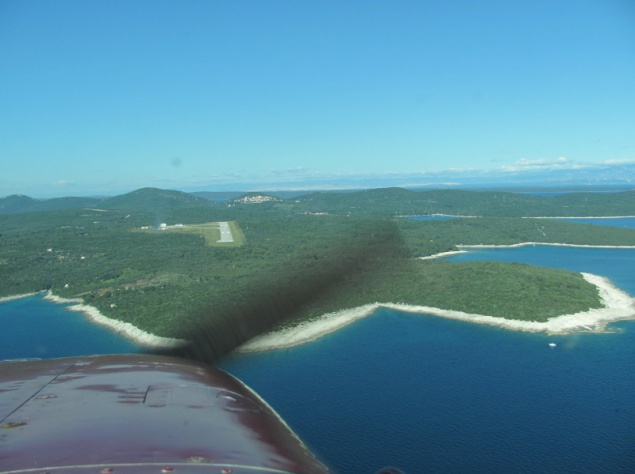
(428, 394)
(625, 222)
(423, 393)
(36, 328)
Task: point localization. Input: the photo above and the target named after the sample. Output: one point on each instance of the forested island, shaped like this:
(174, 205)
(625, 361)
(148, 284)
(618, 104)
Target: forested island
(114, 255)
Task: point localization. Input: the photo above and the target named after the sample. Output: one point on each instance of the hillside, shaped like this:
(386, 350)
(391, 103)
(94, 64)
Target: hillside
(159, 281)
(154, 200)
(142, 200)
(378, 202)
(397, 201)
(16, 203)
(19, 203)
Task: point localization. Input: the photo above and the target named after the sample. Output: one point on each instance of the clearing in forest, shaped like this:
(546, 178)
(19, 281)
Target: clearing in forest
(216, 234)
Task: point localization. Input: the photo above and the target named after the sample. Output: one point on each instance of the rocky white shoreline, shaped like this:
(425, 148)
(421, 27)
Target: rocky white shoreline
(618, 305)
(579, 217)
(16, 297)
(124, 329)
(525, 244)
(465, 248)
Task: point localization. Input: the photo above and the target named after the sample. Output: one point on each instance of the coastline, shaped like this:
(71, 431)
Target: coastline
(578, 217)
(436, 214)
(124, 329)
(553, 244)
(618, 305)
(462, 248)
(443, 254)
(4, 299)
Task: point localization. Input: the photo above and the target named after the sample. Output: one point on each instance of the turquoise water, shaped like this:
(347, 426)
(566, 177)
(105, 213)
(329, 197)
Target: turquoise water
(429, 394)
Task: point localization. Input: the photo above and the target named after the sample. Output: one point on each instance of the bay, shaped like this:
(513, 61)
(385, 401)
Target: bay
(433, 395)
(429, 394)
(37, 328)
(424, 393)
(617, 264)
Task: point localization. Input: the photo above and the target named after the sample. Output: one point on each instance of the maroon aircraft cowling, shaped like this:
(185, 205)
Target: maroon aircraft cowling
(139, 414)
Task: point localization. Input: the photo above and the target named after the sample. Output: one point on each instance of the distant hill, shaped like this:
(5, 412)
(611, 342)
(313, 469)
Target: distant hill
(18, 203)
(383, 201)
(218, 196)
(67, 203)
(398, 201)
(154, 199)
(141, 200)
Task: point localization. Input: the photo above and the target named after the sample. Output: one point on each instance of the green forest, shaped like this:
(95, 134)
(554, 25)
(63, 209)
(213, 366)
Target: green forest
(164, 281)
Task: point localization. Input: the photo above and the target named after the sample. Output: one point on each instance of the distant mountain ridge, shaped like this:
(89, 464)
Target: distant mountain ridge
(382, 201)
(462, 202)
(139, 200)
(152, 199)
(18, 203)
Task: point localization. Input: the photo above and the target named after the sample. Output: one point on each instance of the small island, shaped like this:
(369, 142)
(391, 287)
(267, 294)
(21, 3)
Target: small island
(122, 268)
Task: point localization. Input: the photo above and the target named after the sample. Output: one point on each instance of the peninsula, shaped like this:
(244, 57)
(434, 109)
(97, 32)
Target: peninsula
(616, 305)
(164, 281)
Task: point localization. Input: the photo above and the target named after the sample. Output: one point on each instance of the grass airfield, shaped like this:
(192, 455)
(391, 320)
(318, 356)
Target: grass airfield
(210, 231)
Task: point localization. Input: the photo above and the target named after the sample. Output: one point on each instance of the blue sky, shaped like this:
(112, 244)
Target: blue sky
(103, 97)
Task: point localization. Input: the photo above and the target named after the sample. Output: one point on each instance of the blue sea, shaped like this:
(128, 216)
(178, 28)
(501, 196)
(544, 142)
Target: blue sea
(423, 393)
(428, 394)
(34, 327)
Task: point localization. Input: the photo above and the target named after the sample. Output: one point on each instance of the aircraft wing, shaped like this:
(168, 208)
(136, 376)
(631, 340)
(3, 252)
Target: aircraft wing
(139, 414)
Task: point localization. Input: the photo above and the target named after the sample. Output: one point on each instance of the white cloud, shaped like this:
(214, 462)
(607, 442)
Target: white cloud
(623, 161)
(524, 170)
(543, 164)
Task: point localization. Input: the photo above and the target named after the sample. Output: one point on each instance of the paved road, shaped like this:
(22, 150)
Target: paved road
(225, 232)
